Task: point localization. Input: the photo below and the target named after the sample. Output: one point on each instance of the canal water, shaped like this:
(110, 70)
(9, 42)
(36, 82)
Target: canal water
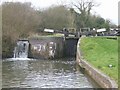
(60, 73)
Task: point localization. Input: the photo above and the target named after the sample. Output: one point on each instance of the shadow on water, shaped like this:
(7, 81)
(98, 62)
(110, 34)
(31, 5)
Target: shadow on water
(59, 73)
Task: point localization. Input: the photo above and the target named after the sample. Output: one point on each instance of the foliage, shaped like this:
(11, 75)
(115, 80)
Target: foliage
(18, 21)
(0, 32)
(84, 18)
(56, 17)
(8, 47)
(92, 22)
(18, 18)
(84, 8)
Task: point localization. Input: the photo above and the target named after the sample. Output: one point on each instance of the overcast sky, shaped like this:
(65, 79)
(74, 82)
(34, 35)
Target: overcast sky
(108, 9)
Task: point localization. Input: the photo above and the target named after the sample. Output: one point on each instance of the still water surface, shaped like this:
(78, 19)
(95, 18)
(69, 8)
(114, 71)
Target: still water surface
(63, 73)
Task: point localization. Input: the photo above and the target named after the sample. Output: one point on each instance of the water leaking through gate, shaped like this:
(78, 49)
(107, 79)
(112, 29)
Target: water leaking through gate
(22, 48)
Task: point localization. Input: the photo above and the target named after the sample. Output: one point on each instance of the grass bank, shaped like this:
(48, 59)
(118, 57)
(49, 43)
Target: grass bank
(101, 52)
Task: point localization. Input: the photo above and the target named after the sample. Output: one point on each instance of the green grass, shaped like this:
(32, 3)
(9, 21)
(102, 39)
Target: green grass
(119, 61)
(101, 52)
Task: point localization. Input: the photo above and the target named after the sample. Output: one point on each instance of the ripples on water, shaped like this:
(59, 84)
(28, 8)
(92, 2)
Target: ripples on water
(62, 73)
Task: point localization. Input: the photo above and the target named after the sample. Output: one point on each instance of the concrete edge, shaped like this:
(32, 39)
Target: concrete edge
(102, 79)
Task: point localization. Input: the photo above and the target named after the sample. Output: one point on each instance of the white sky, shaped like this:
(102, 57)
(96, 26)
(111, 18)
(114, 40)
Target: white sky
(108, 9)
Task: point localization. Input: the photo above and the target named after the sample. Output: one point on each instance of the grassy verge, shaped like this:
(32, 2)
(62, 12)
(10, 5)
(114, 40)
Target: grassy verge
(101, 52)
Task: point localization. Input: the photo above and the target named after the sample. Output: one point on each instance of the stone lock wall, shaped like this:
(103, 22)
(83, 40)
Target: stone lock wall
(46, 47)
(52, 47)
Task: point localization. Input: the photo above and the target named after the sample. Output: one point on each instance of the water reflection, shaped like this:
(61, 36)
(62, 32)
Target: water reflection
(43, 74)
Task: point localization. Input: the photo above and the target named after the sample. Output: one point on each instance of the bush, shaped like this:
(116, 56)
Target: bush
(7, 47)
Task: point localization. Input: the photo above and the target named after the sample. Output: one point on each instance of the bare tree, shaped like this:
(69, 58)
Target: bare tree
(84, 7)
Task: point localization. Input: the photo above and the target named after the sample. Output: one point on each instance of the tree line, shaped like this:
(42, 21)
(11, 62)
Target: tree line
(21, 20)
